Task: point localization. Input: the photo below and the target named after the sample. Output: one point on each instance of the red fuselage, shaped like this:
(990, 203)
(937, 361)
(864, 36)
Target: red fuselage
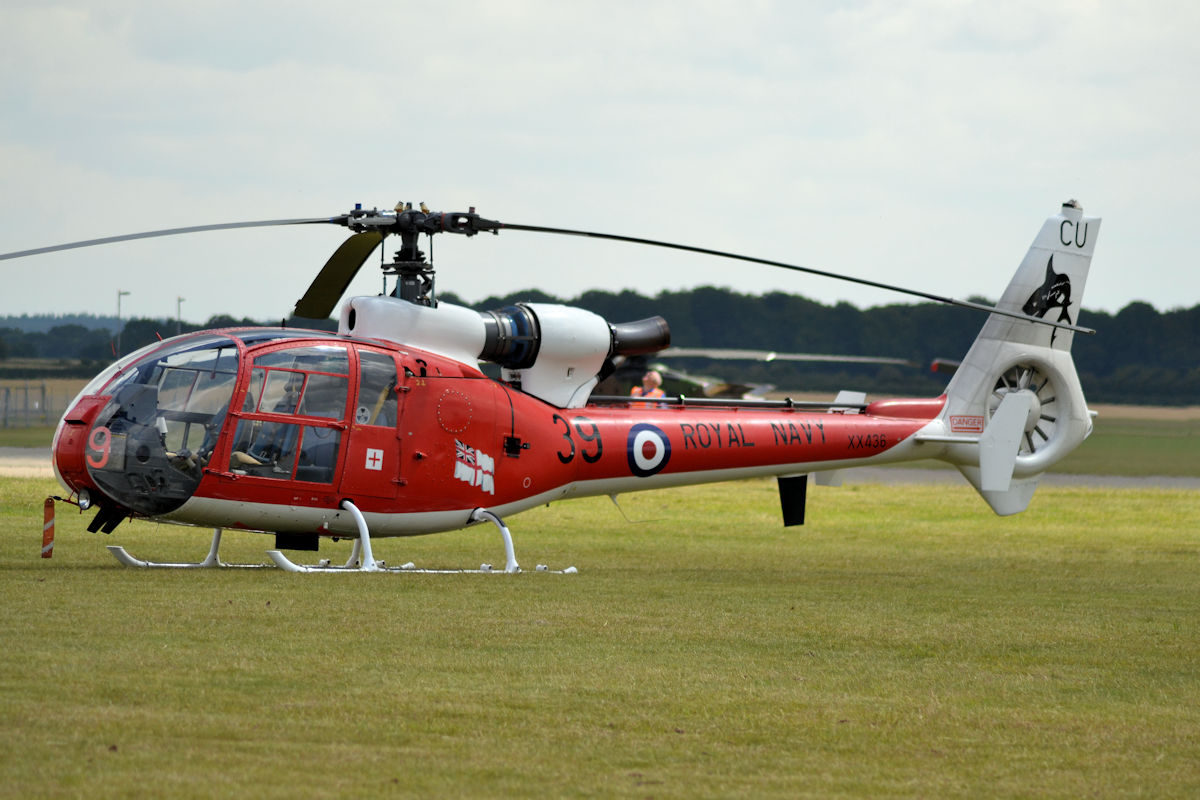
(271, 430)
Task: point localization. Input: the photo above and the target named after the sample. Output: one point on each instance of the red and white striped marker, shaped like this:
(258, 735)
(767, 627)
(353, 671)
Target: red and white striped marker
(48, 529)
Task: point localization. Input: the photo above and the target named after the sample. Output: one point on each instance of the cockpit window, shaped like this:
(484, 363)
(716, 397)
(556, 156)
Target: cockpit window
(377, 399)
(194, 389)
(319, 358)
(308, 381)
(197, 381)
(275, 391)
(295, 382)
(166, 406)
(324, 396)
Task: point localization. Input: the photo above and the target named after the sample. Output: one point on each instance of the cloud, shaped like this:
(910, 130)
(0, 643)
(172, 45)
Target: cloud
(918, 143)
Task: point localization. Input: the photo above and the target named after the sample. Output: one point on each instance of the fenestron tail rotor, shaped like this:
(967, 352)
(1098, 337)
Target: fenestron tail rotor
(1044, 413)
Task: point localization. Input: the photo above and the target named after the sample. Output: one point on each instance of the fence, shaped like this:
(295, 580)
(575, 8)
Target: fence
(25, 404)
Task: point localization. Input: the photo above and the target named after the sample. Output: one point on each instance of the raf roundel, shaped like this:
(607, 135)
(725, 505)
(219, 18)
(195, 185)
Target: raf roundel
(648, 450)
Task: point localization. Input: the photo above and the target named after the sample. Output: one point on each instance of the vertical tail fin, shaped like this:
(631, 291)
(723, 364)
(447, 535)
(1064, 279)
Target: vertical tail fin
(1018, 382)
(1050, 281)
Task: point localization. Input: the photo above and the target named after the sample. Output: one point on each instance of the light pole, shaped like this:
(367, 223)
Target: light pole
(179, 315)
(120, 293)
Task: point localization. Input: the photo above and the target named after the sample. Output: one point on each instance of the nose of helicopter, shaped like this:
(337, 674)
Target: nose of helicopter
(68, 452)
(111, 451)
(136, 439)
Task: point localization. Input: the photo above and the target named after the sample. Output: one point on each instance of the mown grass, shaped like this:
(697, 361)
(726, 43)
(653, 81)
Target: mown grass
(1140, 447)
(33, 436)
(903, 643)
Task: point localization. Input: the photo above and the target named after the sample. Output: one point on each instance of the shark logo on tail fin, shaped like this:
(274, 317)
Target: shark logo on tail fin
(1055, 292)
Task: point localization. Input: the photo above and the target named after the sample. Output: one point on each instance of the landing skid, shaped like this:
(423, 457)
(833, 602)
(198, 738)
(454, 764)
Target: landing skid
(363, 560)
(211, 560)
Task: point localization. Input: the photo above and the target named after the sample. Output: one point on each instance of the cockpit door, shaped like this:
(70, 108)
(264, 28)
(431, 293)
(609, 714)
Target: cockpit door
(293, 415)
(373, 458)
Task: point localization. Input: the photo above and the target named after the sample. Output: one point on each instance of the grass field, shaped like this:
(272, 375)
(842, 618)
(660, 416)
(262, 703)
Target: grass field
(1138, 446)
(904, 643)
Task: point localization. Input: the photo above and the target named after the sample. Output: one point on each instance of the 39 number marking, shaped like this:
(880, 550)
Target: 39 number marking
(591, 446)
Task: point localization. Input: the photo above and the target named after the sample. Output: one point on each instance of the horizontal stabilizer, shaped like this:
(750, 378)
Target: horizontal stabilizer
(829, 477)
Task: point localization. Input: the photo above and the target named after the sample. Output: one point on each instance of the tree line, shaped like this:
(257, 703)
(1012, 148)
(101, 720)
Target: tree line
(1139, 355)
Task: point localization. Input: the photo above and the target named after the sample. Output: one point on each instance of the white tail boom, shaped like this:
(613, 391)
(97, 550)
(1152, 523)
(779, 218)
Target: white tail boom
(1015, 406)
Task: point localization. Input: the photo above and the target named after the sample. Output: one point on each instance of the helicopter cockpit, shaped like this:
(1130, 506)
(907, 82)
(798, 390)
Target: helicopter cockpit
(143, 431)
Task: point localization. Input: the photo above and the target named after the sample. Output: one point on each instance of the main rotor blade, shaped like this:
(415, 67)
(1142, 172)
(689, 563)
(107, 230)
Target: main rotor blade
(796, 268)
(768, 356)
(168, 232)
(333, 279)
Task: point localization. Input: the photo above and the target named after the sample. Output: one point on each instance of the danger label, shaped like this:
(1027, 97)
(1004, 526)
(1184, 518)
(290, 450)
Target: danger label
(966, 423)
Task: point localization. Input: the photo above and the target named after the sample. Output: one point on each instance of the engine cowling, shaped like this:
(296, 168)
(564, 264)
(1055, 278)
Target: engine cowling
(555, 352)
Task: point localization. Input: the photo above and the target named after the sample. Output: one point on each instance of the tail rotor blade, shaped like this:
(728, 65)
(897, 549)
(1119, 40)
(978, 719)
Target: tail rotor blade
(334, 278)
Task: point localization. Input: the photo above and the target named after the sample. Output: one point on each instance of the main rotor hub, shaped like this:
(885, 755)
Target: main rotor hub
(415, 275)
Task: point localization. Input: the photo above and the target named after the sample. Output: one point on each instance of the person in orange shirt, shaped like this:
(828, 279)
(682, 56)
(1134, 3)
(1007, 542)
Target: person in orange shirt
(651, 387)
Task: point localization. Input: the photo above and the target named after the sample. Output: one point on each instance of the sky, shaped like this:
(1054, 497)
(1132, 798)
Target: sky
(914, 143)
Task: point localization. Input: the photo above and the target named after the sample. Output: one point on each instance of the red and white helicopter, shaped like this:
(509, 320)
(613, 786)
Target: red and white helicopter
(390, 428)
